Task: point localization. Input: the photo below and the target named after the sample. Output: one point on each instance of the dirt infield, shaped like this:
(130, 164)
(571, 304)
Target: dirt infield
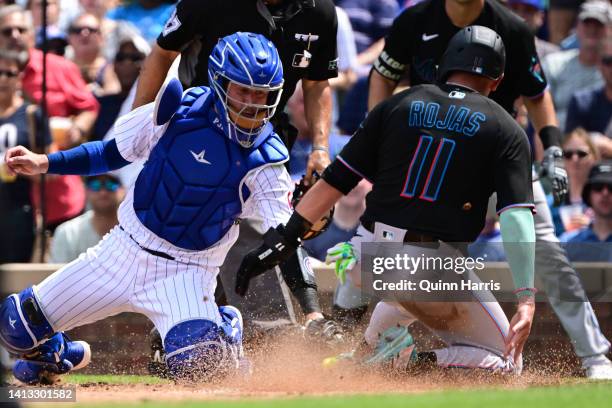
(293, 368)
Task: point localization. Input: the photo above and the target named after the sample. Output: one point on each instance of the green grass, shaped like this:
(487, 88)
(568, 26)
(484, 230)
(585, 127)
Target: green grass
(113, 379)
(570, 395)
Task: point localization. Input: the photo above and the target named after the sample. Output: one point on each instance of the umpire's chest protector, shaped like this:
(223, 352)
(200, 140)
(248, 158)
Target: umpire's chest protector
(189, 191)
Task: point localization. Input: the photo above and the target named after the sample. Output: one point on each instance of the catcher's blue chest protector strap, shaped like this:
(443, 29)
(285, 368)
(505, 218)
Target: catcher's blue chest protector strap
(188, 192)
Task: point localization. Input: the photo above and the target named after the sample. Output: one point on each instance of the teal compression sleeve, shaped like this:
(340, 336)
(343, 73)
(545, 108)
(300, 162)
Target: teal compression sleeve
(518, 234)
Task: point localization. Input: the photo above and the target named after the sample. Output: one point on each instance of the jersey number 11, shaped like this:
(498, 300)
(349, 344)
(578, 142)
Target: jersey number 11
(437, 168)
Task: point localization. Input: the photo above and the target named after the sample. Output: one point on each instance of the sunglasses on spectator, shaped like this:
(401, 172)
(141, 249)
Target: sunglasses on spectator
(123, 56)
(107, 184)
(81, 30)
(569, 154)
(8, 74)
(599, 187)
(606, 60)
(8, 31)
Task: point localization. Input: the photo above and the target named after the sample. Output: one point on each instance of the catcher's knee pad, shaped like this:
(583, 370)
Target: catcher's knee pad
(23, 326)
(200, 349)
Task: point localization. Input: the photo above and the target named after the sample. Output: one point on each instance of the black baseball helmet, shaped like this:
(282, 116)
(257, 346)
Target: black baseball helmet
(475, 49)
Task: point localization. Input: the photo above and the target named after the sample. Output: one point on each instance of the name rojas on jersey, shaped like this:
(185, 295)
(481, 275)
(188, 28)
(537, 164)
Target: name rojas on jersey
(191, 190)
(460, 119)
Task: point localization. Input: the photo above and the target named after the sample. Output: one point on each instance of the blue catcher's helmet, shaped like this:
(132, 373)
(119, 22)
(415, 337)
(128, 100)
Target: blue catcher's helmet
(249, 64)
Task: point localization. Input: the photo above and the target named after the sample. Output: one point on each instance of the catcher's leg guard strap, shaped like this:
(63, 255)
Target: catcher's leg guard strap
(23, 325)
(300, 279)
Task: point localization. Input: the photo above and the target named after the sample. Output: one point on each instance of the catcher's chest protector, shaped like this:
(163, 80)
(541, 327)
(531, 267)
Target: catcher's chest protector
(188, 192)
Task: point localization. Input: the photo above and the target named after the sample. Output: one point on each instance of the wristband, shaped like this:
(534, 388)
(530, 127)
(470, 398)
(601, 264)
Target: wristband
(551, 136)
(321, 148)
(520, 292)
(296, 228)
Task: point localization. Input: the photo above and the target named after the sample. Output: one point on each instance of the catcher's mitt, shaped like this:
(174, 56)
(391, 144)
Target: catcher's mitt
(319, 226)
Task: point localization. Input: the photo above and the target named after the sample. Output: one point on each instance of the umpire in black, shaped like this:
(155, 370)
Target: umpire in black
(304, 32)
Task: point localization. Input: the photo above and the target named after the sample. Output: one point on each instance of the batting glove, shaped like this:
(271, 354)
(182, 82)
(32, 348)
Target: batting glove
(553, 169)
(343, 254)
(275, 249)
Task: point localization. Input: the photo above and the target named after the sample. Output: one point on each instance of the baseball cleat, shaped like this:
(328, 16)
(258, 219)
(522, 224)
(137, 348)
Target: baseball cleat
(47, 362)
(599, 372)
(157, 364)
(395, 346)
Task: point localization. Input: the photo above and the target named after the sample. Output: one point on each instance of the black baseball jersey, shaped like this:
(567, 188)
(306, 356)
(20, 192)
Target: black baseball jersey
(303, 31)
(420, 34)
(435, 154)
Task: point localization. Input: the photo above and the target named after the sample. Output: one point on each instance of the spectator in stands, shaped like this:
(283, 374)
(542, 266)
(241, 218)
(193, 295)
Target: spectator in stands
(67, 96)
(596, 237)
(104, 194)
(561, 18)
(370, 19)
(591, 108)
(99, 8)
(533, 11)
(111, 30)
(580, 154)
(56, 40)
(568, 71)
(85, 38)
(149, 16)
(127, 62)
(53, 13)
(16, 214)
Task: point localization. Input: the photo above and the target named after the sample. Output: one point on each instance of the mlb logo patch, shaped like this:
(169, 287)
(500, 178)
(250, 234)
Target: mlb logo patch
(388, 235)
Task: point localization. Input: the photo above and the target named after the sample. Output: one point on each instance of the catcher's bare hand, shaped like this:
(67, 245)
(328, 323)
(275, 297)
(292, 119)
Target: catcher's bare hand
(317, 162)
(520, 327)
(20, 160)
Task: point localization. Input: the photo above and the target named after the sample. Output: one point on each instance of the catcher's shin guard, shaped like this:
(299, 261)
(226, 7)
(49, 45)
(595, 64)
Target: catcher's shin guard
(200, 350)
(56, 356)
(23, 326)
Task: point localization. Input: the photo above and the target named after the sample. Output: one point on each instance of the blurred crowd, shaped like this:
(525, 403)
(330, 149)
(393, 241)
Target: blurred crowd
(96, 49)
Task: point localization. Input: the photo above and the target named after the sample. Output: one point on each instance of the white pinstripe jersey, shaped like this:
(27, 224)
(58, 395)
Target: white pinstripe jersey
(268, 203)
